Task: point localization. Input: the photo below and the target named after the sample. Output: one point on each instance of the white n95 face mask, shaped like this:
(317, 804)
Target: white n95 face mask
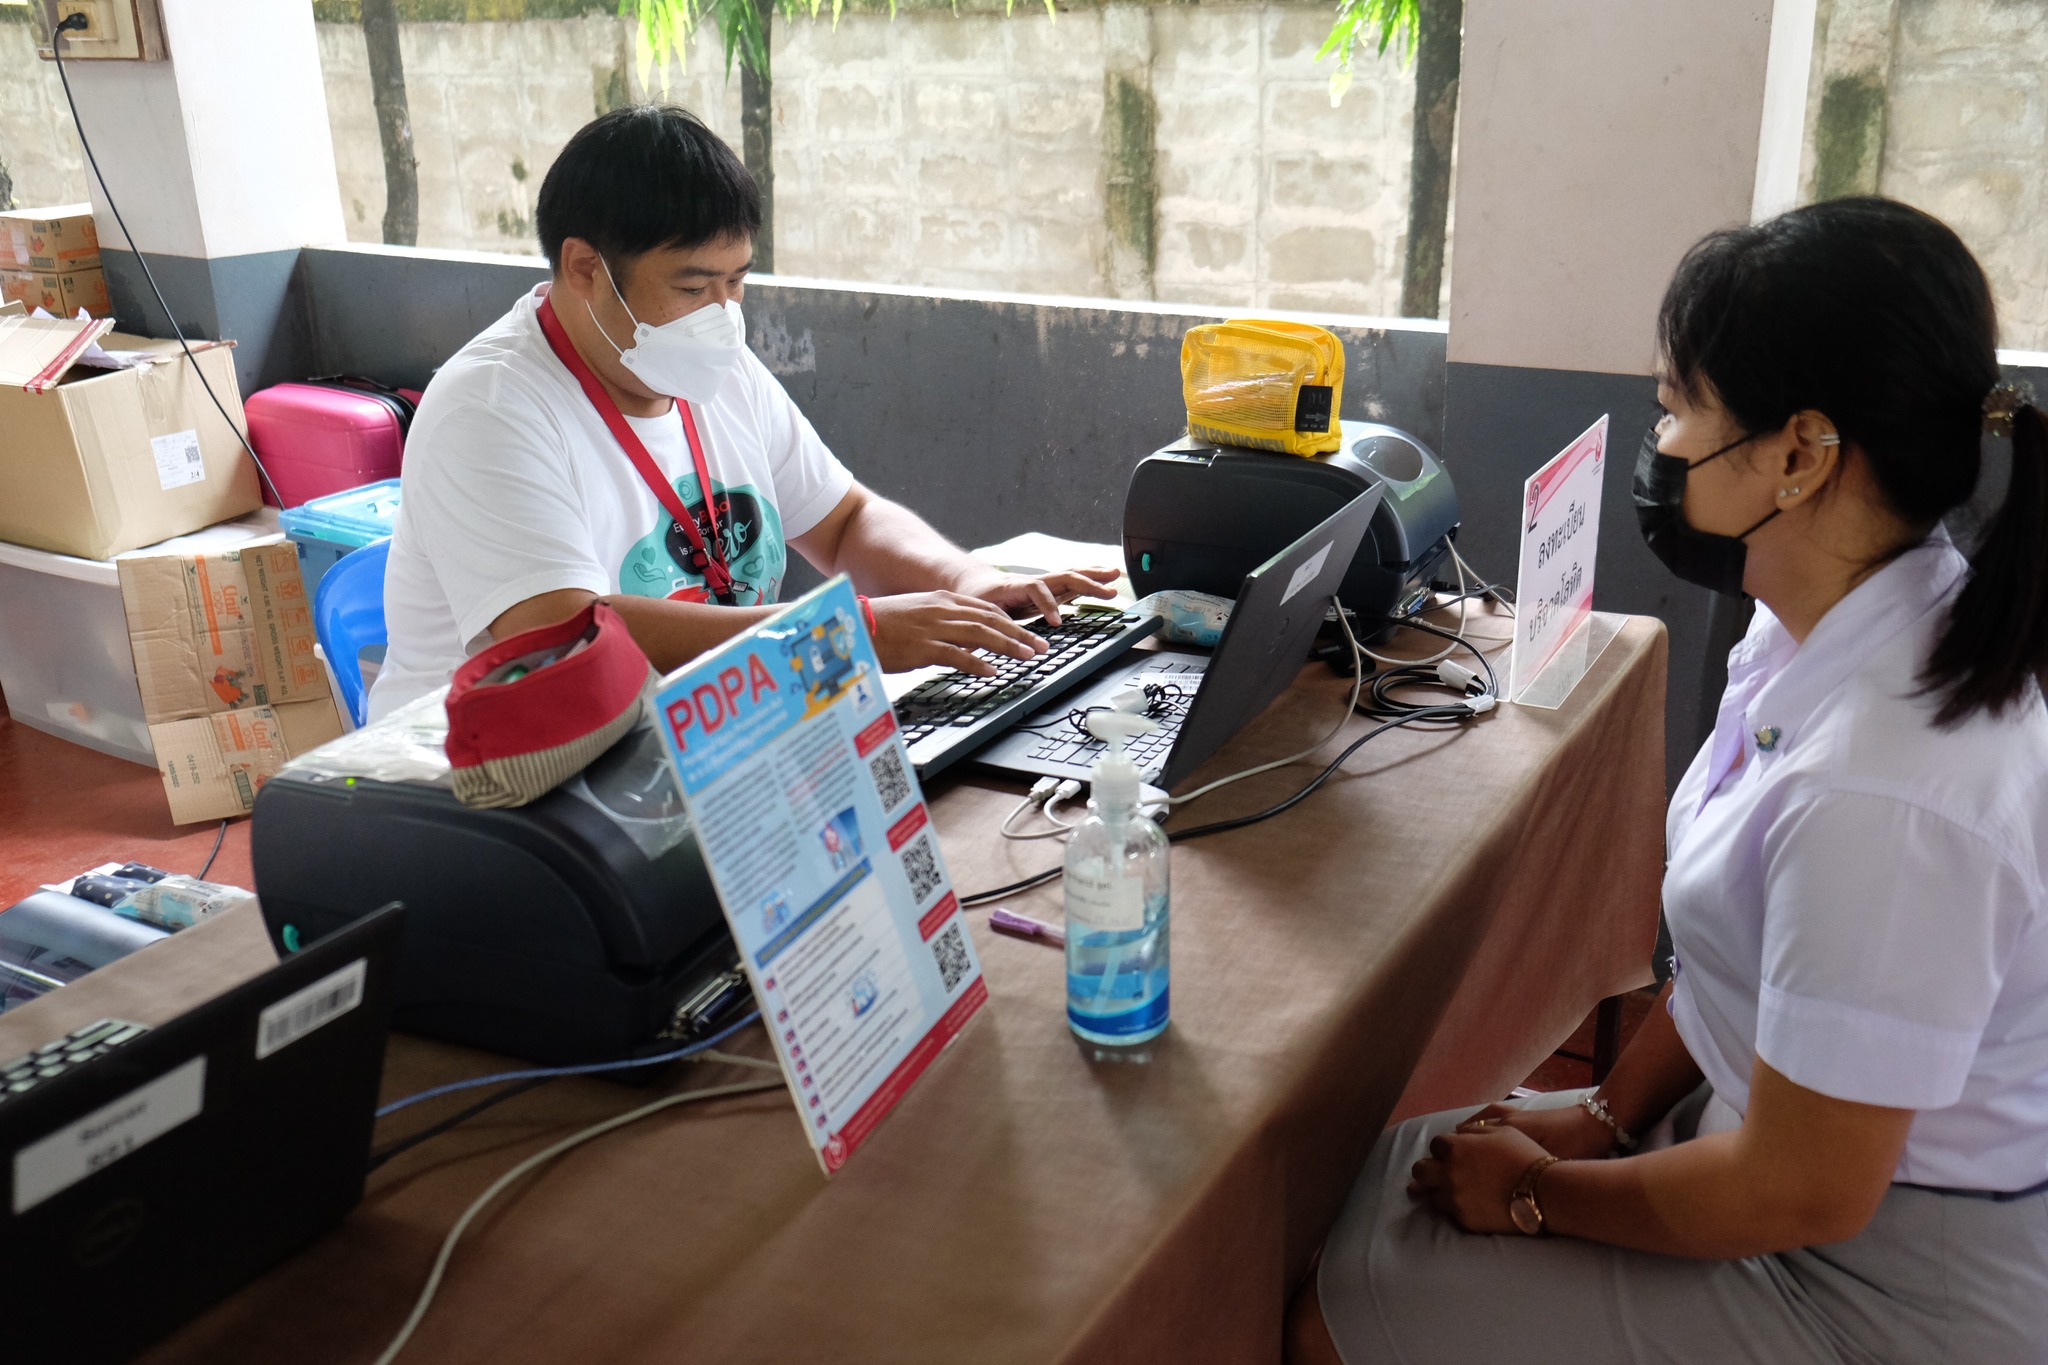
(688, 358)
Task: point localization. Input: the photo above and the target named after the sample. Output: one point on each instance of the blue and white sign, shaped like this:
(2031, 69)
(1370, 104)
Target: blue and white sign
(823, 852)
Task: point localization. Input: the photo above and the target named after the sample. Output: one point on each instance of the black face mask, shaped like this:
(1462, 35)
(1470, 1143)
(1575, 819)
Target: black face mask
(1712, 561)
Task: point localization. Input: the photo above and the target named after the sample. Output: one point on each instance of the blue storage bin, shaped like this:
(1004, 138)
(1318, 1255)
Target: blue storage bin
(327, 528)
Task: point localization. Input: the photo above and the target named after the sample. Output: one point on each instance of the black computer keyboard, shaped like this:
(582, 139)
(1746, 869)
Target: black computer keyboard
(956, 712)
(74, 1049)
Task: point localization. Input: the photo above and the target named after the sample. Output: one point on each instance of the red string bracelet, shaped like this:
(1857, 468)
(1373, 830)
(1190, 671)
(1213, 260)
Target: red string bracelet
(867, 609)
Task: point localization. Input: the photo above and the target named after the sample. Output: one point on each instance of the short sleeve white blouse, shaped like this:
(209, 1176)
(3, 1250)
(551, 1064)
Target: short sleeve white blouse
(1856, 896)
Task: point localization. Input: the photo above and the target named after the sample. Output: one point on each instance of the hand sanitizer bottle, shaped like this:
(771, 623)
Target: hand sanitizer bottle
(1116, 892)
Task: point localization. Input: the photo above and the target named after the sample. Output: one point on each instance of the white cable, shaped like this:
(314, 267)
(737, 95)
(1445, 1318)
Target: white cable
(1060, 829)
(1357, 685)
(1490, 589)
(497, 1187)
(1464, 601)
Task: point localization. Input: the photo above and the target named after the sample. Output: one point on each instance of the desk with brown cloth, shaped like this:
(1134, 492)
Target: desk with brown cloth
(1417, 934)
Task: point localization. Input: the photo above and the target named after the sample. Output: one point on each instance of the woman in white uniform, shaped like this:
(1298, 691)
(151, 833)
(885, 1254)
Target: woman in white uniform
(1830, 1143)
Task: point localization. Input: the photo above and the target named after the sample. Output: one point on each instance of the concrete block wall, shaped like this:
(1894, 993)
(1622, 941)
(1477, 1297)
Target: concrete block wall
(964, 151)
(40, 163)
(491, 105)
(933, 149)
(1943, 104)
(1967, 139)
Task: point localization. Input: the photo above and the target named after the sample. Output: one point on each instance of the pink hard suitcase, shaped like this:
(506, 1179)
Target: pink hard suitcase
(328, 435)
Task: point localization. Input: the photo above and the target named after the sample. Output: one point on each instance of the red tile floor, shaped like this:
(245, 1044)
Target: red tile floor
(65, 808)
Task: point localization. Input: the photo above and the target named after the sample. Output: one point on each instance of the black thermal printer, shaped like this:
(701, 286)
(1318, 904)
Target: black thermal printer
(1199, 517)
(570, 930)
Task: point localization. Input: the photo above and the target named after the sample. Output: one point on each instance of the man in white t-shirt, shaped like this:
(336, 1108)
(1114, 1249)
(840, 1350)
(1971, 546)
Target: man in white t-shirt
(523, 499)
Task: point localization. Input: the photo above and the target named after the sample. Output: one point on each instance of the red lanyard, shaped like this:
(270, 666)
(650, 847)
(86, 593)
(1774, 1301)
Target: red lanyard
(707, 559)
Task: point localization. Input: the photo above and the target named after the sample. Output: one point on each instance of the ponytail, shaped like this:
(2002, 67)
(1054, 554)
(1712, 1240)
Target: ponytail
(1995, 646)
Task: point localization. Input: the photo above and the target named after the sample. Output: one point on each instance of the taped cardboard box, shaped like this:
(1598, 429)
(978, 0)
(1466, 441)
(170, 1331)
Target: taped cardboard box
(64, 293)
(224, 658)
(102, 461)
(50, 239)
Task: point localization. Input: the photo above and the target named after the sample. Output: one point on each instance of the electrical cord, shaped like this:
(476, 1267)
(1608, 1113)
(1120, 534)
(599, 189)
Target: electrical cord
(1464, 600)
(1457, 711)
(541, 1158)
(585, 1069)
(407, 1143)
(1485, 589)
(1382, 704)
(77, 20)
(218, 839)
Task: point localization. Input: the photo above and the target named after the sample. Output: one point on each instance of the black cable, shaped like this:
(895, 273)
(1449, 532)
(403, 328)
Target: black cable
(218, 839)
(1379, 700)
(434, 1130)
(57, 41)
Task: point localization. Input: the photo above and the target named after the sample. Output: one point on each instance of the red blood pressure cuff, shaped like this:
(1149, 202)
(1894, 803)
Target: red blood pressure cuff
(531, 712)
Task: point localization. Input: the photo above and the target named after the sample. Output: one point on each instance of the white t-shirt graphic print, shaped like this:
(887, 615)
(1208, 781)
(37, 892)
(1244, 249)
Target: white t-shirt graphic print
(514, 487)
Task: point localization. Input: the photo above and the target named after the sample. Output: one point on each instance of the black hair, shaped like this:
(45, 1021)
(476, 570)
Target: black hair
(645, 176)
(1877, 316)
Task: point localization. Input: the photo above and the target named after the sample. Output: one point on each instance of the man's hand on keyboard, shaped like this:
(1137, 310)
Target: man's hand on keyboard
(1040, 593)
(917, 629)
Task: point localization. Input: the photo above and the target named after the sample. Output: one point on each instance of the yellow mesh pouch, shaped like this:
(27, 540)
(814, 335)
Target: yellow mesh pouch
(1264, 384)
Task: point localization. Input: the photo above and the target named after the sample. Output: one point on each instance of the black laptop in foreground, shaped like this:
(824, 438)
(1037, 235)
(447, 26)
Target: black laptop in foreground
(151, 1172)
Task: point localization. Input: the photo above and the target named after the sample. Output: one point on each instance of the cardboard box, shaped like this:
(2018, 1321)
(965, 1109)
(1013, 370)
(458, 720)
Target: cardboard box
(66, 292)
(53, 239)
(230, 685)
(102, 461)
(20, 286)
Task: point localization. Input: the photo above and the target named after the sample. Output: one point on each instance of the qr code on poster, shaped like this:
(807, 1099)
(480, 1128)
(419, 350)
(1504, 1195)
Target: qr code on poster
(951, 954)
(921, 865)
(890, 782)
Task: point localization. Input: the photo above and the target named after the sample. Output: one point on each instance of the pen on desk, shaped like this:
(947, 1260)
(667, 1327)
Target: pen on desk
(1023, 926)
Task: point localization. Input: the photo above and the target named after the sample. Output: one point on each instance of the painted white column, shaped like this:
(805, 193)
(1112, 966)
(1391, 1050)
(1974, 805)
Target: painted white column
(1597, 141)
(223, 167)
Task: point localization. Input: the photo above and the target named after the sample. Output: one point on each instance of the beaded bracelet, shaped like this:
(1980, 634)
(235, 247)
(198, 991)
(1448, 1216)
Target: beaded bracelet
(1597, 1107)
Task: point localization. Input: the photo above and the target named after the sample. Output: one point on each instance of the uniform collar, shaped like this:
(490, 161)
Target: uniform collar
(1775, 683)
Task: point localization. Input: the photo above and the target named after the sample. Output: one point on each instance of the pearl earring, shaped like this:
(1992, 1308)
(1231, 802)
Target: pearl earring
(1788, 492)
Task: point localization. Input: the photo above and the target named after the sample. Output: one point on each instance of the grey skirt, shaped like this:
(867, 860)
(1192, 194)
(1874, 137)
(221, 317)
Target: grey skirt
(1934, 1278)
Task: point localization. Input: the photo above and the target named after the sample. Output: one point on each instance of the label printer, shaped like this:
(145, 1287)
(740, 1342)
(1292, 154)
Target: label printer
(582, 927)
(1198, 516)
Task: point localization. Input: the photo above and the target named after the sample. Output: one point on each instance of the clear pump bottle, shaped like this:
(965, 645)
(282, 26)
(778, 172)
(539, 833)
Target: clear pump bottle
(1116, 894)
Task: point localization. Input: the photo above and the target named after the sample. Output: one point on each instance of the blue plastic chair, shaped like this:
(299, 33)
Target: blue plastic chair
(348, 616)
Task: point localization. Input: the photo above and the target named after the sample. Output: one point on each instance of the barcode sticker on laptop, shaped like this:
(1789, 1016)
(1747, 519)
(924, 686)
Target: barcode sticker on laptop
(299, 1013)
(95, 1142)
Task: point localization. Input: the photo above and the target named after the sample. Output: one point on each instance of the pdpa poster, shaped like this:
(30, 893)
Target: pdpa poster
(821, 847)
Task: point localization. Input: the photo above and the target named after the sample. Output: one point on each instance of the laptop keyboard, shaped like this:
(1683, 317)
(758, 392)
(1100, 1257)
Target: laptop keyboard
(1068, 745)
(74, 1049)
(961, 699)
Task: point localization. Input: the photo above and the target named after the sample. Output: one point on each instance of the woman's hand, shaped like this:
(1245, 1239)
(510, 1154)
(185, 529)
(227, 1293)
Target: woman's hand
(1571, 1133)
(1469, 1176)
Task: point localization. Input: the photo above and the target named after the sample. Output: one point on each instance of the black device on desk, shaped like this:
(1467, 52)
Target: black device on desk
(152, 1172)
(1199, 517)
(574, 929)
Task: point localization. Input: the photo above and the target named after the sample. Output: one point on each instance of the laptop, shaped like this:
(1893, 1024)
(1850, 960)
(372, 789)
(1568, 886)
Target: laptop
(151, 1172)
(1206, 699)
